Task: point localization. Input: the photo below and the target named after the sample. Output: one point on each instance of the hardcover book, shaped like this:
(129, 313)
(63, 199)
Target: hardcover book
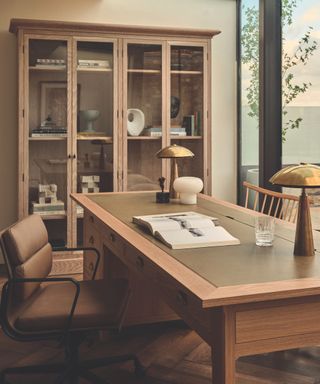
(186, 230)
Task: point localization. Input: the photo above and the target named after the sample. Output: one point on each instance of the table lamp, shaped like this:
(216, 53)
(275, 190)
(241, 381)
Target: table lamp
(301, 176)
(173, 152)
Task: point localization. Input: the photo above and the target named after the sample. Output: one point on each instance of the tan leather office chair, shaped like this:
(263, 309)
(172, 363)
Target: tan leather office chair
(37, 307)
(280, 205)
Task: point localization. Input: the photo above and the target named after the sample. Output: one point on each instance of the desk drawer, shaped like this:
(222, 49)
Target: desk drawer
(276, 321)
(92, 238)
(137, 262)
(113, 241)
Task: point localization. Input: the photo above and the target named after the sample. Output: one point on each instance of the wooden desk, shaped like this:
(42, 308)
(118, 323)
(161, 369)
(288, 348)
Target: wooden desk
(241, 299)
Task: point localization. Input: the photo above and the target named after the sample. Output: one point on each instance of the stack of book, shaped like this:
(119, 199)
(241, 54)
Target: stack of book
(50, 63)
(49, 131)
(93, 64)
(56, 208)
(157, 131)
(178, 131)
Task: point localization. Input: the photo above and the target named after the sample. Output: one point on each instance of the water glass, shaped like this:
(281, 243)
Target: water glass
(264, 230)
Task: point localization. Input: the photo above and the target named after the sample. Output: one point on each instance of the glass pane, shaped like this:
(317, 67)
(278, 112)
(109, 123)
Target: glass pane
(48, 128)
(301, 85)
(249, 131)
(95, 106)
(186, 102)
(144, 116)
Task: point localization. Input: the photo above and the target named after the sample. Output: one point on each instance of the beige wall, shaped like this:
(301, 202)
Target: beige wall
(215, 14)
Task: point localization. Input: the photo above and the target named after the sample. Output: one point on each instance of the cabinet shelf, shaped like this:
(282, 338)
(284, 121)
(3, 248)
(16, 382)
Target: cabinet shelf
(94, 69)
(147, 71)
(144, 137)
(52, 68)
(178, 72)
(106, 139)
(47, 138)
(53, 217)
(172, 137)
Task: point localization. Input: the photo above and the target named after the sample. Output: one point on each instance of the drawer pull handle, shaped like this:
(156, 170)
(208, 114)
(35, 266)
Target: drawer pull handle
(112, 237)
(182, 298)
(140, 262)
(91, 240)
(91, 219)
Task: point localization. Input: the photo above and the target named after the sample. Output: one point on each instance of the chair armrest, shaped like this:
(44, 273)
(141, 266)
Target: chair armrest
(11, 282)
(98, 256)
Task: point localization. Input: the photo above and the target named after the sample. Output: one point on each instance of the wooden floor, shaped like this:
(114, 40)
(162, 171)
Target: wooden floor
(172, 354)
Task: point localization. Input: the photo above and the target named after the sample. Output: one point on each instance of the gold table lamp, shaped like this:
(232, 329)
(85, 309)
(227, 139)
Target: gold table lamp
(173, 152)
(301, 176)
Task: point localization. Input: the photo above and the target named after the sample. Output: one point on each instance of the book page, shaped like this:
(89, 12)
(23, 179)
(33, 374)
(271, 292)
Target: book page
(196, 237)
(172, 221)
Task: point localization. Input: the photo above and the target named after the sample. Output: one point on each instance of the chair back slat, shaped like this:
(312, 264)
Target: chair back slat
(277, 204)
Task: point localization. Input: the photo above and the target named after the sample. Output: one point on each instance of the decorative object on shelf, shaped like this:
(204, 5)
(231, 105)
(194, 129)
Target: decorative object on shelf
(48, 203)
(174, 106)
(89, 184)
(103, 157)
(53, 102)
(173, 152)
(135, 121)
(89, 116)
(301, 176)
(188, 187)
(162, 197)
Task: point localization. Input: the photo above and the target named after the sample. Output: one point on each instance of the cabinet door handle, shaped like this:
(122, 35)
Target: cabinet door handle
(91, 267)
(91, 240)
(140, 262)
(182, 298)
(112, 237)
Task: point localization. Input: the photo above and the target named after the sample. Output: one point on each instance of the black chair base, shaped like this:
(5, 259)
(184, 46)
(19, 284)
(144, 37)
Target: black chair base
(73, 371)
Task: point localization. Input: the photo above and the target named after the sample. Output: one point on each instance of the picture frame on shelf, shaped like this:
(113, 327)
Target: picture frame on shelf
(54, 102)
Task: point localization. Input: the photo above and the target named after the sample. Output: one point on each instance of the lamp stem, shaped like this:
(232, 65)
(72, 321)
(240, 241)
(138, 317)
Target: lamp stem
(173, 176)
(303, 245)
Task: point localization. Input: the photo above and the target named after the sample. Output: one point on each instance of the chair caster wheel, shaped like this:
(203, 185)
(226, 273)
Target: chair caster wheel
(139, 369)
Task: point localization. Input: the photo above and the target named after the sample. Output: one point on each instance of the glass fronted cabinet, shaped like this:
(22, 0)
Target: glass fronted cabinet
(143, 129)
(47, 129)
(96, 103)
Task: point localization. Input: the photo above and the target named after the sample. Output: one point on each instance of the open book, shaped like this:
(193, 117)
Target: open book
(186, 230)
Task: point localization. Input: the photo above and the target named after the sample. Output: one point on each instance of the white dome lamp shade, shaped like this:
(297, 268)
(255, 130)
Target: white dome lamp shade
(188, 187)
(135, 121)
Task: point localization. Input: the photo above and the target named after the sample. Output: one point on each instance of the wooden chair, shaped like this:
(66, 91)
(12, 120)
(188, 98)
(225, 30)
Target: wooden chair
(273, 203)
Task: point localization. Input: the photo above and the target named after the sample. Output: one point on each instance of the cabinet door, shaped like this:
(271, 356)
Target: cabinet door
(96, 144)
(46, 131)
(188, 103)
(143, 131)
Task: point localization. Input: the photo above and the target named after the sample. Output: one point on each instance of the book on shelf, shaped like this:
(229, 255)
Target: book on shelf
(188, 123)
(94, 63)
(186, 230)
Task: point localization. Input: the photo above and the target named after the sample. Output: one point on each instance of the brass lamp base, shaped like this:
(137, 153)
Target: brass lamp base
(173, 176)
(303, 245)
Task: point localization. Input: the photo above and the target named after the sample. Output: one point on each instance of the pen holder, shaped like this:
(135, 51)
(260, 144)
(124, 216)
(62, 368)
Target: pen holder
(162, 197)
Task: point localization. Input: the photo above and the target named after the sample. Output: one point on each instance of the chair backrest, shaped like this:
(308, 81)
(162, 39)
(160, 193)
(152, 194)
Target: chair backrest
(27, 253)
(273, 203)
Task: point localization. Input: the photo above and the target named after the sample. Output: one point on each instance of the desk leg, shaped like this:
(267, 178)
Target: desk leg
(223, 355)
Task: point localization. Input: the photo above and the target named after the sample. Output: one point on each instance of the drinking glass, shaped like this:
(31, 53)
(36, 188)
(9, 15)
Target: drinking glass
(264, 230)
